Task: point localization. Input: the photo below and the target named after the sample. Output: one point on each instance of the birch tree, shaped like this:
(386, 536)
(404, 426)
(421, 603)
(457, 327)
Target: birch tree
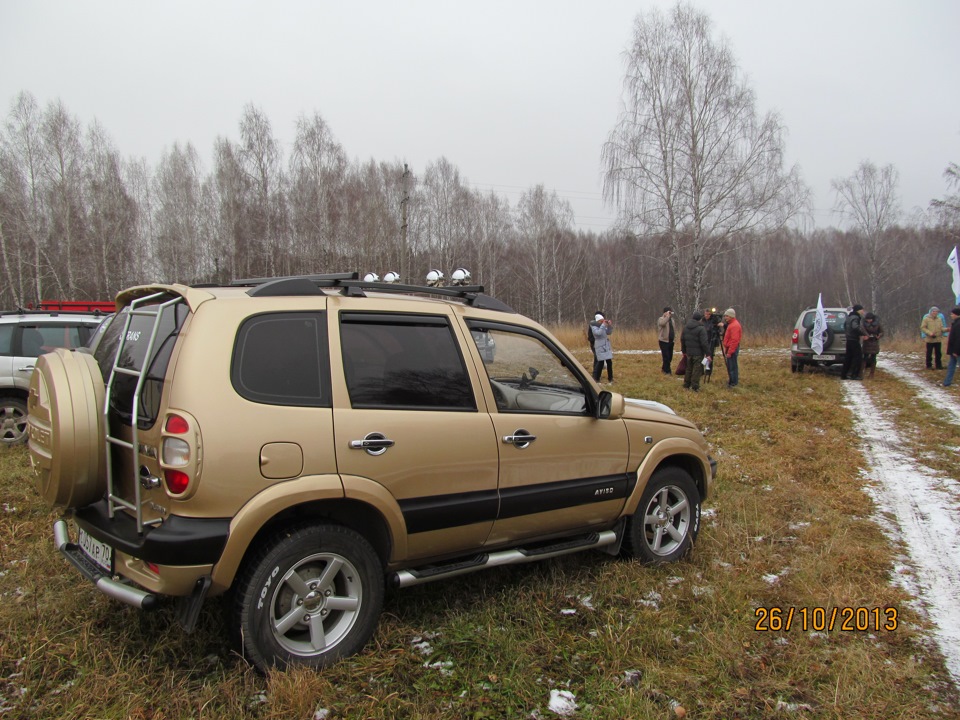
(869, 199)
(689, 157)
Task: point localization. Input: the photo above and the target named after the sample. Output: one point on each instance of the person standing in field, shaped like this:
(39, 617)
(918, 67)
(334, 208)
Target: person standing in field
(713, 323)
(732, 335)
(871, 342)
(853, 358)
(666, 336)
(932, 329)
(602, 329)
(694, 343)
(953, 346)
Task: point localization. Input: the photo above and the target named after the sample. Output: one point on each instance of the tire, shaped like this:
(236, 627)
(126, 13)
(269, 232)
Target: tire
(828, 337)
(794, 366)
(13, 421)
(65, 424)
(290, 572)
(667, 520)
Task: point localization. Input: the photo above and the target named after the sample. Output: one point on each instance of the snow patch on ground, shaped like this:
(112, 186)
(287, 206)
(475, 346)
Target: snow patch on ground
(924, 507)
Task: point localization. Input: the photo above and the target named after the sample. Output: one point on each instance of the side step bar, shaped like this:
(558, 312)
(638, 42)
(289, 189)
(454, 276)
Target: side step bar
(514, 556)
(108, 586)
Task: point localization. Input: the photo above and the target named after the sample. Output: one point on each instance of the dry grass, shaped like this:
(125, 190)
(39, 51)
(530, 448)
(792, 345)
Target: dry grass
(788, 526)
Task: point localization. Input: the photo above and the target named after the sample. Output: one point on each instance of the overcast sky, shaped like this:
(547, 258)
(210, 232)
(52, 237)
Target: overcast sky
(514, 93)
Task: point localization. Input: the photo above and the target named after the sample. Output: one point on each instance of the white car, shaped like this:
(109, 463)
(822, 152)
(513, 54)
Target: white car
(25, 335)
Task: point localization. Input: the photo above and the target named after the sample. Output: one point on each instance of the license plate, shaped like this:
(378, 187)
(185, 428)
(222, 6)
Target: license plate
(100, 553)
(824, 357)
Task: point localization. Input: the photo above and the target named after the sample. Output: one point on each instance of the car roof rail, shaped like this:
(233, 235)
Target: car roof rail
(352, 286)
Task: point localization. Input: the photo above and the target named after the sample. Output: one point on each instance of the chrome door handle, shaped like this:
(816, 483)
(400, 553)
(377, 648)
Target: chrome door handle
(28, 368)
(520, 438)
(374, 443)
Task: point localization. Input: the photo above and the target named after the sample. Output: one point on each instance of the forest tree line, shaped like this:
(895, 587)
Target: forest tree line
(78, 220)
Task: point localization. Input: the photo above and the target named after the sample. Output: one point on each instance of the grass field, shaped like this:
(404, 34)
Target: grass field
(789, 526)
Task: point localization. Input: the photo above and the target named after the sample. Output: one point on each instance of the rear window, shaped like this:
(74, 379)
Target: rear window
(835, 319)
(282, 359)
(135, 358)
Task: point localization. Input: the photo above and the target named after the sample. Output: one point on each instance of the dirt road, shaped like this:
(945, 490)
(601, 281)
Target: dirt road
(918, 507)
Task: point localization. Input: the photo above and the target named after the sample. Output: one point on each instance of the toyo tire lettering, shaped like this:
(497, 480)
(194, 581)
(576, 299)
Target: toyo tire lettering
(309, 596)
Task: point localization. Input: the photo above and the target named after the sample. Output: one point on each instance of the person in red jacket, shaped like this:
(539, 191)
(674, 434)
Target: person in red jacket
(731, 345)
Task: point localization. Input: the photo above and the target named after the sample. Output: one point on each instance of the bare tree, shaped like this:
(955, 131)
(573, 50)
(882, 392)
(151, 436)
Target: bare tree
(318, 166)
(948, 207)
(544, 222)
(179, 215)
(689, 158)
(869, 198)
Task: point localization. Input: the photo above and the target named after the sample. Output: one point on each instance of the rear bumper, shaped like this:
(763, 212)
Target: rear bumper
(108, 586)
(177, 541)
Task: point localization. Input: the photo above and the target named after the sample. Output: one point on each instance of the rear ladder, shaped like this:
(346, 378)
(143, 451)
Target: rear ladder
(138, 307)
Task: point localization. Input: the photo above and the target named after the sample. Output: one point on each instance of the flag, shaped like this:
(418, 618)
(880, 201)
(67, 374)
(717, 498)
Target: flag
(819, 327)
(953, 263)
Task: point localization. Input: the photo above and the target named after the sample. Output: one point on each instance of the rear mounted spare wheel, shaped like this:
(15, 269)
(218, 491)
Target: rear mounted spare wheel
(65, 426)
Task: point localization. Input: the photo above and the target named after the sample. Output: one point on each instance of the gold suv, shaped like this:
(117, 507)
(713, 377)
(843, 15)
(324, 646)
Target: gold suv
(303, 442)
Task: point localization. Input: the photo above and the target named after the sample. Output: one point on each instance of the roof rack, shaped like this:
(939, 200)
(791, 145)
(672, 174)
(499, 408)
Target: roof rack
(351, 285)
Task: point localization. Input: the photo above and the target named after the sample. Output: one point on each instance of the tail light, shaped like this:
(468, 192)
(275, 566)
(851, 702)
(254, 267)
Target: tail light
(175, 455)
(796, 336)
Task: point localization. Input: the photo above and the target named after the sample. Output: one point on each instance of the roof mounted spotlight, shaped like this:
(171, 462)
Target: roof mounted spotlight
(391, 277)
(371, 277)
(460, 276)
(434, 278)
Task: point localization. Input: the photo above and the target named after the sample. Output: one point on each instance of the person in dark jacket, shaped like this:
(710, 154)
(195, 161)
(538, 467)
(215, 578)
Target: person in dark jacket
(871, 342)
(713, 323)
(853, 331)
(953, 346)
(695, 343)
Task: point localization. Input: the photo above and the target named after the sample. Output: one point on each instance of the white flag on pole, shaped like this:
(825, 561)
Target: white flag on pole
(953, 263)
(819, 327)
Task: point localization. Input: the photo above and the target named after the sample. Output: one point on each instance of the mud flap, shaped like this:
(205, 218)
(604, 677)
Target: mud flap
(188, 607)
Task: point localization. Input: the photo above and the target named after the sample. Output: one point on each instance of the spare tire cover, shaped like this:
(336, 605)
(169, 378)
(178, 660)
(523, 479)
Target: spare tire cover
(65, 426)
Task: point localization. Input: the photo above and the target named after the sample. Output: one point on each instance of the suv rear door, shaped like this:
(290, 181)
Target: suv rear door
(406, 416)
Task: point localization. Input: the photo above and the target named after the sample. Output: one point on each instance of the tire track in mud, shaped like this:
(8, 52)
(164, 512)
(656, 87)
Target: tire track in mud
(918, 508)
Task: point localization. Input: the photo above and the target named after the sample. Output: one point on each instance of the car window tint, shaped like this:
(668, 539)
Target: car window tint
(58, 336)
(134, 357)
(403, 362)
(6, 339)
(282, 359)
(835, 319)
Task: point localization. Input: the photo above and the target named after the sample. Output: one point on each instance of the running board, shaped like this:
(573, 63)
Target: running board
(514, 556)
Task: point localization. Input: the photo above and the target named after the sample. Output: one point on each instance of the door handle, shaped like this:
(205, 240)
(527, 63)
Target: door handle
(520, 438)
(27, 368)
(374, 443)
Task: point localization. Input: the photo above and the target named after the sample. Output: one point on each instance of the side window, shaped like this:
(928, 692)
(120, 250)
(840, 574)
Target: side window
(58, 336)
(283, 359)
(6, 339)
(403, 362)
(527, 374)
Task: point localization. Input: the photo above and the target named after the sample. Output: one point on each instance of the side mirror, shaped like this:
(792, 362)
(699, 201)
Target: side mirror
(604, 404)
(609, 405)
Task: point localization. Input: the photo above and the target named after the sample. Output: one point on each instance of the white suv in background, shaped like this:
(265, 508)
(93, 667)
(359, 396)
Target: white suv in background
(24, 335)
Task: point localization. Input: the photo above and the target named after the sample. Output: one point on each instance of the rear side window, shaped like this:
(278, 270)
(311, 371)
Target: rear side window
(6, 339)
(134, 357)
(403, 362)
(282, 359)
(42, 338)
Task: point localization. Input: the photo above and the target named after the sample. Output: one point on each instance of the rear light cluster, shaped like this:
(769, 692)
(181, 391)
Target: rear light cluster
(796, 336)
(176, 454)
